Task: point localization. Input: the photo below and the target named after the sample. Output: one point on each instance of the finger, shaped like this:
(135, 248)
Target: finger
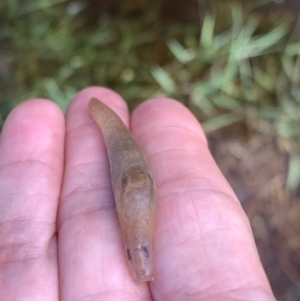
(91, 255)
(203, 242)
(31, 161)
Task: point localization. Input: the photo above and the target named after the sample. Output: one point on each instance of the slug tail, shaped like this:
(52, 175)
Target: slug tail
(140, 262)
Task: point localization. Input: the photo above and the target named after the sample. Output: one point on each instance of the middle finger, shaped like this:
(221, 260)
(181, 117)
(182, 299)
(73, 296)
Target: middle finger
(91, 257)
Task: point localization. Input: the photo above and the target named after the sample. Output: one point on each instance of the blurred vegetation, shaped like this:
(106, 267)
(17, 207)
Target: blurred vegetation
(225, 60)
(231, 62)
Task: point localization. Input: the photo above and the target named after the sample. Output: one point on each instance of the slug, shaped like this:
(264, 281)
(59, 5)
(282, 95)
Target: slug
(134, 190)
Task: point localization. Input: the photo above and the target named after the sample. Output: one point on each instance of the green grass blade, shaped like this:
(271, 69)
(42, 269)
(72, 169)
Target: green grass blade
(182, 55)
(293, 175)
(163, 79)
(220, 122)
(207, 31)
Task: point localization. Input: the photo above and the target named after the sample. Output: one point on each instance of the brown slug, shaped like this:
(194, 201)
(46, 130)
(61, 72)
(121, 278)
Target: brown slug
(133, 187)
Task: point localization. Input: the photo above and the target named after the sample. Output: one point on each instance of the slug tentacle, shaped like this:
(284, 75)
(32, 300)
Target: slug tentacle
(133, 187)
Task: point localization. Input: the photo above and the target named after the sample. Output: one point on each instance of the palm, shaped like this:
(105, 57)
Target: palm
(60, 237)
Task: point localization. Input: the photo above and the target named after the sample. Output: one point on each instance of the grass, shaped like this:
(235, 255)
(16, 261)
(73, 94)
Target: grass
(241, 70)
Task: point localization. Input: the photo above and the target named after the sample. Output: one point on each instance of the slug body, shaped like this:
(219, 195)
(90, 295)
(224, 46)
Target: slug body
(133, 187)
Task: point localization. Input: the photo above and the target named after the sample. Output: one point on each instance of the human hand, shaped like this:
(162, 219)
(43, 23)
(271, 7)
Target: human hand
(60, 238)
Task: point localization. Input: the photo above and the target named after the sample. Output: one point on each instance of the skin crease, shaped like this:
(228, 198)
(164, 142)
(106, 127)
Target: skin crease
(60, 234)
(134, 190)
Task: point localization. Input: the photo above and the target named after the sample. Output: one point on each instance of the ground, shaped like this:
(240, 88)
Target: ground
(256, 169)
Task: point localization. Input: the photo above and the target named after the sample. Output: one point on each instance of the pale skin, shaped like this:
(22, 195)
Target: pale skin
(60, 235)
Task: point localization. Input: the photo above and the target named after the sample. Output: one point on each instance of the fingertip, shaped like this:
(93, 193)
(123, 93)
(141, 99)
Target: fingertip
(42, 112)
(163, 111)
(107, 96)
(41, 106)
(33, 130)
(78, 113)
